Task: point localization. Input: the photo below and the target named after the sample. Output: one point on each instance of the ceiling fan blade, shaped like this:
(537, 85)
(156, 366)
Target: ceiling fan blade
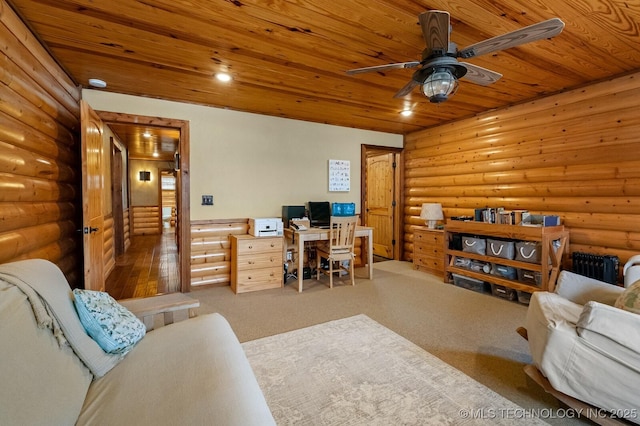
(384, 67)
(479, 75)
(435, 29)
(545, 29)
(406, 89)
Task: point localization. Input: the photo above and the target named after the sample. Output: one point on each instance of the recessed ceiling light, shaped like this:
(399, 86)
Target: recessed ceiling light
(406, 112)
(223, 76)
(96, 82)
(146, 134)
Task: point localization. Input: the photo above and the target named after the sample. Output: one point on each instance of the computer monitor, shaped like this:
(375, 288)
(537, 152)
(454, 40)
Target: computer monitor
(320, 214)
(291, 212)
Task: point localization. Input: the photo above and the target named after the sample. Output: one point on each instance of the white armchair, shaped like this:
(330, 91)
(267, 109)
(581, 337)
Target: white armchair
(584, 349)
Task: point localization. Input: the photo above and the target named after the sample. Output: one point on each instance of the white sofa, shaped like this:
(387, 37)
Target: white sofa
(193, 372)
(587, 348)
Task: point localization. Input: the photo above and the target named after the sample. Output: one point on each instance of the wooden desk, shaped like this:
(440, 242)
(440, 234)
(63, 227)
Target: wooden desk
(317, 234)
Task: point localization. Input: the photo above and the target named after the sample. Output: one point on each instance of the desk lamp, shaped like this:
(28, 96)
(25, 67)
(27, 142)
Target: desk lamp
(431, 212)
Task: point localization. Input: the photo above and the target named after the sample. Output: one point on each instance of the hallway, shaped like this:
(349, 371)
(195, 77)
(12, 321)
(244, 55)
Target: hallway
(149, 267)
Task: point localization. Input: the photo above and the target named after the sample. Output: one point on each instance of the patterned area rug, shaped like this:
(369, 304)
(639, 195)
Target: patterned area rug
(354, 371)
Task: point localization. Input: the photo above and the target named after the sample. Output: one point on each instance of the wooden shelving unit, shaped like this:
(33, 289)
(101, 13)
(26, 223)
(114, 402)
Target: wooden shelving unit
(546, 236)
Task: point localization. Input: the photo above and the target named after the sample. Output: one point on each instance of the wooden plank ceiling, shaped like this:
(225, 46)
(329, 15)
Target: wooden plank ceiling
(288, 57)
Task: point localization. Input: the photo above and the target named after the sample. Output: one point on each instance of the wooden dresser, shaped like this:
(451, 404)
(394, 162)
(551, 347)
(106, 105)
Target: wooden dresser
(428, 251)
(256, 263)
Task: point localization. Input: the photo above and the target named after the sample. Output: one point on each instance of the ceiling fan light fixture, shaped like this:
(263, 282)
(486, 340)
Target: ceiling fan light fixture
(440, 85)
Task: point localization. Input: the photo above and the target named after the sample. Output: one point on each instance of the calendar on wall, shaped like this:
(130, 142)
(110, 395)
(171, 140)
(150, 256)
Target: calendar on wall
(339, 175)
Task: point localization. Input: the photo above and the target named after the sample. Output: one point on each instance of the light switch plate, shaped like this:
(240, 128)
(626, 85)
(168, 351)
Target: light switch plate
(207, 200)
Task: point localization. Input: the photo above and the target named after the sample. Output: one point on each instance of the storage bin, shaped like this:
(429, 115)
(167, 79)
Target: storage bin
(470, 283)
(501, 248)
(479, 266)
(528, 251)
(524, 297)
(503, 292)
(472, 265)
(462, 262)
(455, 242)
(508, 272)
(530, 277)
(474, 245)
(343, 209)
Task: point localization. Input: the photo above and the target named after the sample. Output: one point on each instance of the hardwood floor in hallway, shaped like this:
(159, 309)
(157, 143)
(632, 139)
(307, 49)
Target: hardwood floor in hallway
(149, 267)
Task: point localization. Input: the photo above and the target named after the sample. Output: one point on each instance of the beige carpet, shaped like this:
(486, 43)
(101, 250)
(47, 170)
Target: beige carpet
(472, 332)
(354, 371)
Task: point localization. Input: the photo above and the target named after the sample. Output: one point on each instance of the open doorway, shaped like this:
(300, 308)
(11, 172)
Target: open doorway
(168, 201)
(128, 127)
(382, 198)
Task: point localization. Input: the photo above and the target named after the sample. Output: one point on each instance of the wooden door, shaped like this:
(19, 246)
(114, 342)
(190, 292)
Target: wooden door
(380, 200)
(92, 197)
(117, 199)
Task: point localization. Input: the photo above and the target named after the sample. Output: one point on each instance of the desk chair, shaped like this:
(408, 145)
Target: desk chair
(339, 247)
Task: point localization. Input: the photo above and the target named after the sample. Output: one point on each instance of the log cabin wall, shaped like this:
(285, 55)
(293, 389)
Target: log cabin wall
(146, 220)
(575, 155)
(211, 250)
(39, 147)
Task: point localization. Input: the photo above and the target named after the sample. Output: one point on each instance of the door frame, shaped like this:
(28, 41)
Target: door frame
(117, 208)
(92, 168)
(183, 229)
(162, 172)
(367, 151)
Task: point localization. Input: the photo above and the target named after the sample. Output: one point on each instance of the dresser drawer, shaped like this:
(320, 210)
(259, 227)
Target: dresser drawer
(429, 250)
(258, 279)
(429, 262)
(259, 260)
(258, 245)
(428, 238)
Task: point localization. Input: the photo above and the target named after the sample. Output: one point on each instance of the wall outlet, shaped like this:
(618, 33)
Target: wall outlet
(207, 200)
(289, 256)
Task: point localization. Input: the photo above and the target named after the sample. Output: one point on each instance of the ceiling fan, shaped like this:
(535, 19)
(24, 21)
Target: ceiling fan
(440, 68)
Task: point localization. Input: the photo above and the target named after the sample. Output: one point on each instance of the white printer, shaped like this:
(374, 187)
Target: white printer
(265, 227)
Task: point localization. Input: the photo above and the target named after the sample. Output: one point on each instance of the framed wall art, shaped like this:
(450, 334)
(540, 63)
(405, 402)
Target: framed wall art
(339, 176)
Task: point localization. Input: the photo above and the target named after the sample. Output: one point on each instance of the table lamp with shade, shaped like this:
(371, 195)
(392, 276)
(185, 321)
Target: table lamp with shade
(431, 213)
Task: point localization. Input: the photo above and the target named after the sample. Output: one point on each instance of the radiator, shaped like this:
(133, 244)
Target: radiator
(600, 267)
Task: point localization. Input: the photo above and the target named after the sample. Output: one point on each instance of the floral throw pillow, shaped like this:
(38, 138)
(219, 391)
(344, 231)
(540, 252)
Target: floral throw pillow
(629, 299)
(111, 325)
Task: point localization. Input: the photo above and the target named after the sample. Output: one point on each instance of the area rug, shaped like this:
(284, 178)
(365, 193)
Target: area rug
(354, 371)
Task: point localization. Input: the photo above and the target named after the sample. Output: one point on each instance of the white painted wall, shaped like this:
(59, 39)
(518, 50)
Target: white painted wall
(254, 164)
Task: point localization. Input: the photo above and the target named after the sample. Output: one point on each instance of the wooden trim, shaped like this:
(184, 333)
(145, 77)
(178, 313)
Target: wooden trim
(183, 185)
(217, 221)
(398, 230)
(117, 208)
